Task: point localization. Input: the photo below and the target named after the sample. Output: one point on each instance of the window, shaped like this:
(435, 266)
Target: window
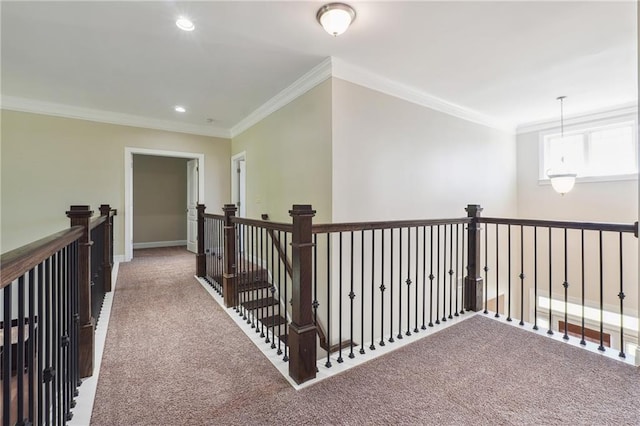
(601, 150)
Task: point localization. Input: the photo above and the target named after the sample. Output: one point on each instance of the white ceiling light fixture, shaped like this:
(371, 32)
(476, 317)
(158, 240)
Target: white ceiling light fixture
(335, 18)
(179, 108)
(562, 179)
(185, 24)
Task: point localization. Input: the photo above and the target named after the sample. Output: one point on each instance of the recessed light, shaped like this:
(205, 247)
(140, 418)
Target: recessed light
(179, 108)
(185, 24)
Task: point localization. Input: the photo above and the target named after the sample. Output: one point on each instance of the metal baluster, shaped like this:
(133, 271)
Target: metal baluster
(373, 280)
(352, 295)
(42, 322)
(522, 276)
(264, 293)
(464, 270)
(340, 359)
(424, 277)
(19, 350)
(565, 284)
(328, 363)
(315, 282)
(286, 301)
(31, 347)
(399, 336)
(535, 277)
(6, 356)
(497, 273)
(59, 372)
(391, 340)
(438, 279)
(450, 271)
(382, 289)
(431, 277)
(457, 260)
(252, 289)
(486, 266)
(408, 282)
(550, 331)
(509, 273)
(66, 336)
(361, 293)
(272, 289)
(621, 296)
(279, 352)
(444, 275)
(601, 347)
(582, 341)
(415, 329)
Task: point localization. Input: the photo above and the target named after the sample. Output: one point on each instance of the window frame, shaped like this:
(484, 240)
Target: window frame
(585, 128)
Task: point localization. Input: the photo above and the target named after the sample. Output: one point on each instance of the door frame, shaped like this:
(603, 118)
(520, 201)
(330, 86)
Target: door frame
(242, 156)
(128, 186)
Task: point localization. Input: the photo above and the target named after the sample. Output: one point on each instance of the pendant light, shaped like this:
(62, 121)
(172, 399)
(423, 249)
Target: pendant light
(562, 179)
(335, 18)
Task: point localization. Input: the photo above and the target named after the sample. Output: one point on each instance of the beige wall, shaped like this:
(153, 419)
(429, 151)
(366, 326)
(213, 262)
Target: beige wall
(159, 199)
(49, 163)
(288, 158)
(393, 159)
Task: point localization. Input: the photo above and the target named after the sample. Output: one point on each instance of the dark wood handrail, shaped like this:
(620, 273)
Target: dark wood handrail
(325, 228)
(589, 226)
(276, 226)
(281, 252)
(99, 220)
(15, 263)
(214, 216)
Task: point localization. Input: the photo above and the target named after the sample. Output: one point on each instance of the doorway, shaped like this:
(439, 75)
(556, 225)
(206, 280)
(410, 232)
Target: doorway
(195, 193)
(239, 183)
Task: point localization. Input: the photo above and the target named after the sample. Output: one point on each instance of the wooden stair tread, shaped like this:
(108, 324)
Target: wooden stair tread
(260, 303)
(256, 285)
(273, 320)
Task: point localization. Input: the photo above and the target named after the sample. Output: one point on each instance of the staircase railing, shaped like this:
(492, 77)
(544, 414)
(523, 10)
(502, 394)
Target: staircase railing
(379, 282)
(46, 316)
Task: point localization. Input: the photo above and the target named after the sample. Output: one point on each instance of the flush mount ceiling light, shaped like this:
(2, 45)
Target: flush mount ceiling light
(179, 108)
(335, 18)
(562, 179)
(185, 24)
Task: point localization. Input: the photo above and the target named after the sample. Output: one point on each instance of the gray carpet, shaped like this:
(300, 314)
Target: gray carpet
(174, 357)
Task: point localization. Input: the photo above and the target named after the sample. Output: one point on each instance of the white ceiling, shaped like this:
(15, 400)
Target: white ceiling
(505, 60)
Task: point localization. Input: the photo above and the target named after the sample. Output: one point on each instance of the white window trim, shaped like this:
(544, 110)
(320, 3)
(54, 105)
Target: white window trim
(542, 173)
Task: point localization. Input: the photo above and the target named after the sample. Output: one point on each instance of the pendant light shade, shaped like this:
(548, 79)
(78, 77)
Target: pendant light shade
(562, 179)
(336, 18)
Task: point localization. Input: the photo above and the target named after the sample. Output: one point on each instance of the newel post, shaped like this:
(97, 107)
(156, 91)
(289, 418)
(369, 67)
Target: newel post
(229, 281)
(107, 258)
(201, 265)
(80, 216)
(302, 330)
(473, 290)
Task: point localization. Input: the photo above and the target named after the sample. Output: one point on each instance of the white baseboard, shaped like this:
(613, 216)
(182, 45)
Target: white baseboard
(155, 244)
(118, 258)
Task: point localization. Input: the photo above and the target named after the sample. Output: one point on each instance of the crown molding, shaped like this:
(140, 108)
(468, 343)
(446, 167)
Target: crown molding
(393, 88)
(308, 81)
(600, 114)
(15, 103)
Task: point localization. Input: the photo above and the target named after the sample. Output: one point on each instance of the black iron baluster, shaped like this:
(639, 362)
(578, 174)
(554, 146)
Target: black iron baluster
(450, 271)
(19, 350)
(464, 270)
(509, 273)
(444, 275)
(328, 363)
(42, 322)
(361, 294)
(252, 288)
(550, 331)
(272, 289)
(424, 278)
(6, 358)
(415, 329)
(399, 336)
(431, 277)
(457, 263)
(522, 276)
(565, 284)
(535, 277)
(391, 340)
(315, 303)
(286, 302)
(438, 279)
(31, 347)
(408, 282)
(621, 295)
(340, 359)
(382, 289)
(352, 295)
(279, 300)
(582, 341)
(59, 372)
(264, 293)
(497, 272)
(373, 294)
(486, 267)
(601, 347)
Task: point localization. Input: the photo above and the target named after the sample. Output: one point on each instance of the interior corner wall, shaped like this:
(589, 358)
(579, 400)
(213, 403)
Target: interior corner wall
(159, 199)
(50, 163)
(288, 158)
(394, 159)
(615, 201)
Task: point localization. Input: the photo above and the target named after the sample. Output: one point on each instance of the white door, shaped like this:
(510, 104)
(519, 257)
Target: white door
(242, 188)
(192, 202)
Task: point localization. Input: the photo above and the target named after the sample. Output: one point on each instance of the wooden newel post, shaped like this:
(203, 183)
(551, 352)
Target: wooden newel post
(229, 281)
(302, 330)
(201, 260)
(107, 259)
(80, 216)
(473, 290)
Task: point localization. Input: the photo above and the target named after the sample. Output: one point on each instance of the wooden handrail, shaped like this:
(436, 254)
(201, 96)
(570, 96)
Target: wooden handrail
(99, 220)
(15, 263)
(276, 226)
(588, 226)
(214, 216)
(325, 228)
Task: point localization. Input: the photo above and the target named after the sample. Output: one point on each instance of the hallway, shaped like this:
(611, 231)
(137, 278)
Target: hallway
(174, 357)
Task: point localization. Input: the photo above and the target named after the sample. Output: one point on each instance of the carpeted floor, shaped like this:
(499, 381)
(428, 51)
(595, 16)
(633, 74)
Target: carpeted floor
(174, 357)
